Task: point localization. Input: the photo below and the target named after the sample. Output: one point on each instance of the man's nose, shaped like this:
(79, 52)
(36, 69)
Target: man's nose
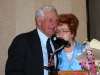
(54, 23)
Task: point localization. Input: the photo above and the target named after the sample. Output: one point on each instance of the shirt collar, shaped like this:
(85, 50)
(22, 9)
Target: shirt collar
(42, 36)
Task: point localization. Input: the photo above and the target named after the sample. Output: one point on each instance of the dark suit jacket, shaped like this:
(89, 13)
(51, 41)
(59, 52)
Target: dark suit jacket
(25, 55)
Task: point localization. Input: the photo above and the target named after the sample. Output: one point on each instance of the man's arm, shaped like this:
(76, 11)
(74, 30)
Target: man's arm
(16, 53)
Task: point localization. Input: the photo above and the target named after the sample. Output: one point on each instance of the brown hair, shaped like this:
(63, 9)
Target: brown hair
(71, 20)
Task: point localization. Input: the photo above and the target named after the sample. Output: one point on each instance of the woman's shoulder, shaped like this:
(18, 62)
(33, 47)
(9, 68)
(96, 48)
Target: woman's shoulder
(79, 46)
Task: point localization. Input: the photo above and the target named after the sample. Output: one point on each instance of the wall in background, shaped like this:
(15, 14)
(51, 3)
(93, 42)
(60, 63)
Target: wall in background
(93, 10)
(17, 16)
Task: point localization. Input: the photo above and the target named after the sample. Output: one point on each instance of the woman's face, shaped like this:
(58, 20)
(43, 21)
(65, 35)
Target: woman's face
(63, 32)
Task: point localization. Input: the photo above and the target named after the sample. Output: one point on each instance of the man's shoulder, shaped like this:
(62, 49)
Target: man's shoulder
(27, 34)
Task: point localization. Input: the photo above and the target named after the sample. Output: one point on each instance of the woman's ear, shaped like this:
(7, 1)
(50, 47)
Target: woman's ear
(72, 35)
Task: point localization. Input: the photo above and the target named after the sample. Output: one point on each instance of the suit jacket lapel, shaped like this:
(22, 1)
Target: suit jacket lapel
(74, 53)
(63, 54)
(35, 46)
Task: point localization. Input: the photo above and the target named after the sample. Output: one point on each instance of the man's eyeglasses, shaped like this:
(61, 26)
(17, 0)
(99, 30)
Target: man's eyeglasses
(62, 32)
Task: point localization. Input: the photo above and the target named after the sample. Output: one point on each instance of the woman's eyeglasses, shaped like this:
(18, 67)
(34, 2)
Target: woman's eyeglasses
(62, 32)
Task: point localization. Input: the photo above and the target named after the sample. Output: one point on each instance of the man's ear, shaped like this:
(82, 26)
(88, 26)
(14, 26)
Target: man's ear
(38, 21)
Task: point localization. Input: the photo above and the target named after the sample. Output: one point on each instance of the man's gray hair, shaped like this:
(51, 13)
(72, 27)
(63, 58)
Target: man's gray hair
(40, 12)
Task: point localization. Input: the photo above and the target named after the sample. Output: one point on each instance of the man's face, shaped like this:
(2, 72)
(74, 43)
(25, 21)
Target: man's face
(49, 23)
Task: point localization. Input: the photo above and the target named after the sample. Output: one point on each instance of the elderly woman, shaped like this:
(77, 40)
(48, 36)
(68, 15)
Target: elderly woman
(67, 28)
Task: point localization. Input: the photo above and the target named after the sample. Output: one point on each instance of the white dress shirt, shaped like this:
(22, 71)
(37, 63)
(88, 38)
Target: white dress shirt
(43, 39)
